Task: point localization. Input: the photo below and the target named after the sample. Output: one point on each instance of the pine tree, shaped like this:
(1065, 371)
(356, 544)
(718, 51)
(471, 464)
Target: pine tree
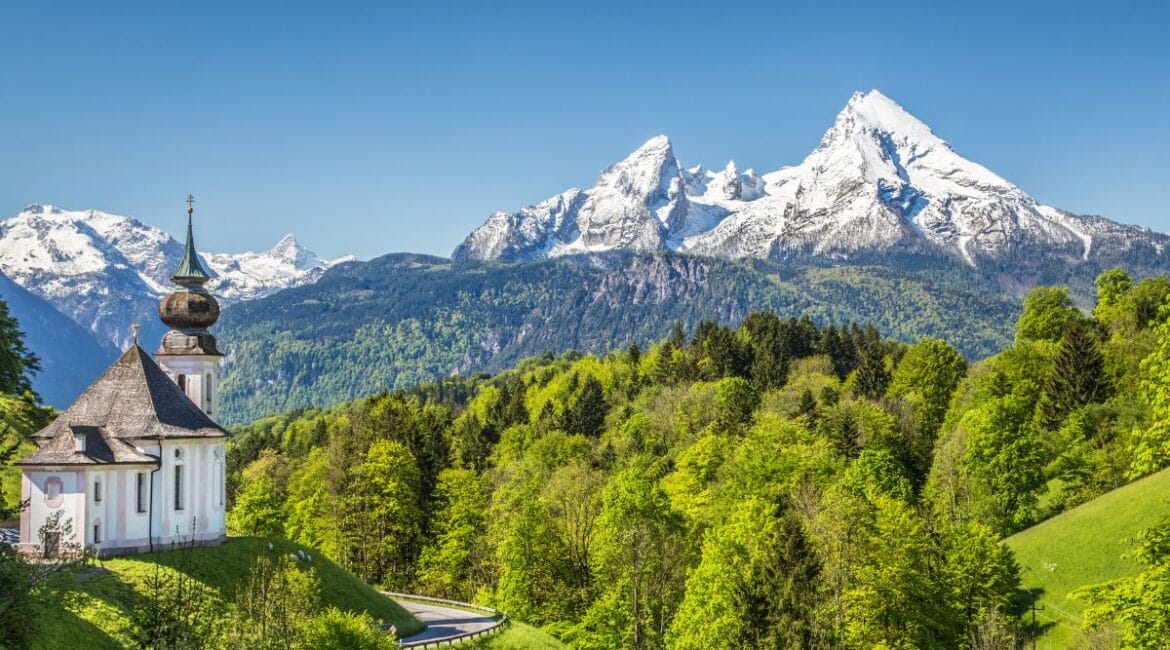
(779, 599)
(17, 363)
(1078, 376)
(586, 414)
(872, 375)
(808, 405)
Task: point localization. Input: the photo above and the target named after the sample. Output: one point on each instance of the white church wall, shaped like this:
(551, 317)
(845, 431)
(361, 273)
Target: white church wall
(202, 513)
(50, 491)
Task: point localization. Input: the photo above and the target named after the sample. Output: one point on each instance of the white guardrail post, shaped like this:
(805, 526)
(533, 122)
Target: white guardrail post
(454, 639)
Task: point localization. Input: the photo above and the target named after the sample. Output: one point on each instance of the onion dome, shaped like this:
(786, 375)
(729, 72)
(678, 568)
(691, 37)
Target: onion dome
(186, 309)
(190, 309)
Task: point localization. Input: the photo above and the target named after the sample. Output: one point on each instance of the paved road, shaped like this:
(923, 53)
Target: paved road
(443, 622)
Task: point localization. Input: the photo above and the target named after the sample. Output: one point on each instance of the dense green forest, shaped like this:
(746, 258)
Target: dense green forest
(776, 484)
(400, 320)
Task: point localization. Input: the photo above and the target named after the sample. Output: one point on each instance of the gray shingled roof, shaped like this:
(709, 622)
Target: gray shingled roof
(132, 400)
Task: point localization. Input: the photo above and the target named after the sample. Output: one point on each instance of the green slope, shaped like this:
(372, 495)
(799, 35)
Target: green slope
(519, 637)
(96, 613)
(1084, 546)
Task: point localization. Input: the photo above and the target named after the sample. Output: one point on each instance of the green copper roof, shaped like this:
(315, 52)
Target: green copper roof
(189, 269)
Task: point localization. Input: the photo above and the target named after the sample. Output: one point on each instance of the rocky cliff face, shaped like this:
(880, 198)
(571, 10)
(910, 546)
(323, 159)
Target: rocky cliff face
(880, 182)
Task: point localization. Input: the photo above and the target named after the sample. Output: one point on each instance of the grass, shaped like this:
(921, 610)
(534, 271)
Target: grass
(10, 474)
(519, 636)
(96, 613)
(1084, 546)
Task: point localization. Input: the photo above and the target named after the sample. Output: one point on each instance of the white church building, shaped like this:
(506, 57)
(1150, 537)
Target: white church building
(137, 462)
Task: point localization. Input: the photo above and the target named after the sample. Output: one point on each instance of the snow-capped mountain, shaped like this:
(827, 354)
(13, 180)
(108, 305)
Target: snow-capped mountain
(880, 182)
(107, 271)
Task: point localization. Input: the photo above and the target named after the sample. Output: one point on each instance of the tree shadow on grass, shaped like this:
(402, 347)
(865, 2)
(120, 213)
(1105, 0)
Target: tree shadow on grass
(1025, 605)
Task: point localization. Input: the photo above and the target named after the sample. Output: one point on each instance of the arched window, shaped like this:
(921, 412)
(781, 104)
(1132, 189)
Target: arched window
(178, 487)
(53, 497)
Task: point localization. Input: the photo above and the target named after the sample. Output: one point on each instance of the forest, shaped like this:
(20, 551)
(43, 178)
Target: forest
(777, 484)
(400, 320)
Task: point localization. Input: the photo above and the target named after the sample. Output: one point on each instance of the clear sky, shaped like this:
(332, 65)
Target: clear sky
(375, 127)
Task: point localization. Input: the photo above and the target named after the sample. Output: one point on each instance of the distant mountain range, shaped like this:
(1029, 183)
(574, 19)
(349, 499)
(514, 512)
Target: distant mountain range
(880, 183)
(883, 222)
(105, 272)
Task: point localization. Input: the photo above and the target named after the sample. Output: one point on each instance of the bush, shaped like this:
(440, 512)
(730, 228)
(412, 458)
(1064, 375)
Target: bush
(334, 629)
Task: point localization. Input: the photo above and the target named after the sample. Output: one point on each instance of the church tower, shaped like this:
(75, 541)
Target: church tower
(188, 352)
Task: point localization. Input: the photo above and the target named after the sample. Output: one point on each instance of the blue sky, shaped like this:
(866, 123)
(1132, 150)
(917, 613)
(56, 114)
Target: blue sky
(375, 127)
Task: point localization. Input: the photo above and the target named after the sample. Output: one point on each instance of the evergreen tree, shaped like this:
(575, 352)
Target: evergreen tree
(808, 405)
(872, 376)
(17, 363)
(678, 336)
(781, 596)
(1078, 376)
(585, 415)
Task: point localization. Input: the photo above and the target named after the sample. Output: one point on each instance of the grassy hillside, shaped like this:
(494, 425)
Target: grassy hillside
(96, 614)
(520, 637)
(19, 419)
(1083, 546)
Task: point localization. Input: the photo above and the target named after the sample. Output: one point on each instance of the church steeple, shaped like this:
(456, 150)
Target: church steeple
(188, 352)
(190, 270)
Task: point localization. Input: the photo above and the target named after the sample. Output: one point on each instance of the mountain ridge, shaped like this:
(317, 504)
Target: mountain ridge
(105, 271)
(879, 182)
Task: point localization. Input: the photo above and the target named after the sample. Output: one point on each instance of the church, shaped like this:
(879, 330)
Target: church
(137, 462)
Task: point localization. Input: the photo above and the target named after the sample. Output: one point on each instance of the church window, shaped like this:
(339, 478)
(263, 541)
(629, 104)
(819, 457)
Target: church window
(178, 487)
(97, 490)
(208, 392)
(219, 483)
(53, 496)
(182, 381)
(97, 532)
(79, 442)
(141, 491)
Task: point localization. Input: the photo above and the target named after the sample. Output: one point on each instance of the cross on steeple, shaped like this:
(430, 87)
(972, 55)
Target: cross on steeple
(190, 204)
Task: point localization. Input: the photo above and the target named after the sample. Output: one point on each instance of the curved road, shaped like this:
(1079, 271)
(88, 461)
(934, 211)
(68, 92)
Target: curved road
(444, 622)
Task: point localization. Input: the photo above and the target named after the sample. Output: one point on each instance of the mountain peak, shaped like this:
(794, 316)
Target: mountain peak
(873, 111)
(40, 208)
(660, 142)
(287, 244)
(647, 174)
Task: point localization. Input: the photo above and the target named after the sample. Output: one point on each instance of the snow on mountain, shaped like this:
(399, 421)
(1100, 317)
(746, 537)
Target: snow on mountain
(106, 271)
(248, 276)
(880, 181)
(633, 205)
